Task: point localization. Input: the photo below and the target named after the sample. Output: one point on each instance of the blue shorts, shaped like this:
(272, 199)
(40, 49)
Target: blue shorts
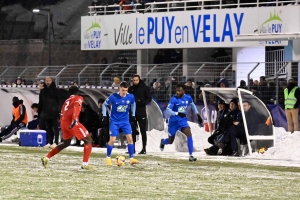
(177, 124)
(115, 127)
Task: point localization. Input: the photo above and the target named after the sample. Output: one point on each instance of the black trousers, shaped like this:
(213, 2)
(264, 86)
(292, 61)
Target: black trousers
(52, 130)
(10, 130)
(235, 133)
(142, 121)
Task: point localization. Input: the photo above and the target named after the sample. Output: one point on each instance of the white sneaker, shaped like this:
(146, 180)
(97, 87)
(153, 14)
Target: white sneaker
(47, 146)
(53, 146)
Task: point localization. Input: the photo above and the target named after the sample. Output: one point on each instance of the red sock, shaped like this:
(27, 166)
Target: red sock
(87, 152)
(53, 152)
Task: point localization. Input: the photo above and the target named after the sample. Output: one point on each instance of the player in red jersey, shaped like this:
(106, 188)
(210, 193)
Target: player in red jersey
(70, 127)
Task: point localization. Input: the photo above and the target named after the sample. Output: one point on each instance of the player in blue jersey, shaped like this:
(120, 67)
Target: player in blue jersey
(119, 119)
(178, 121)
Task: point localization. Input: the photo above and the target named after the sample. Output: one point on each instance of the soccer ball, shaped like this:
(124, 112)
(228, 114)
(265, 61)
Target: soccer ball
(120, 161)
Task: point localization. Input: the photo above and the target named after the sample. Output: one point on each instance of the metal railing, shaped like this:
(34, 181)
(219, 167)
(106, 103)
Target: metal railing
(162, 78)
(169, 6)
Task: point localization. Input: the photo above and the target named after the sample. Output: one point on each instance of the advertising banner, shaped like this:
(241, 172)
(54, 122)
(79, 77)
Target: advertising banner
(187, 29)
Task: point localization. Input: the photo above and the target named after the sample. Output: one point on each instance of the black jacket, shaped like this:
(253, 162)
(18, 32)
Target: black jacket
(234, 116)
(89, 119)
(142, 97)
(253, 119)
(221, 122)
(49, 102)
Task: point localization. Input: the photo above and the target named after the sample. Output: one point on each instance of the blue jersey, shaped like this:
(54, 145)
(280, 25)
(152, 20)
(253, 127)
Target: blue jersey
(119, 107)
(180, 105)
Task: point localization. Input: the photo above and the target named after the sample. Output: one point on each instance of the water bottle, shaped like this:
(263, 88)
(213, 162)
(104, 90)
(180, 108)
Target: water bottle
(39, 139)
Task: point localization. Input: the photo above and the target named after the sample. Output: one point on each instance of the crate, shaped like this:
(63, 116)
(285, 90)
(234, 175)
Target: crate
(32, 138)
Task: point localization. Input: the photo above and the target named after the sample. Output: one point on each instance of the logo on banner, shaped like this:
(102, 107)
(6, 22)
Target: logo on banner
(272, 25)
(123, 36)
(92, 36)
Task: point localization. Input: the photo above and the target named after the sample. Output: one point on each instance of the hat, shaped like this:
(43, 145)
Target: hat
(221, 101)
(235, 101)
(116, 80)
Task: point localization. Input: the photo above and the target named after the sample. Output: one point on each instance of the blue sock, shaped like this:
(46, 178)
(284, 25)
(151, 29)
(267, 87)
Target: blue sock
(190, 145)
(109, 150)
(130, 150)
(166, 141)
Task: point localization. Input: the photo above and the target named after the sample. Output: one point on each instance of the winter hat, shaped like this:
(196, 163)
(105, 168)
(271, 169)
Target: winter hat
(221, 101)
(235, 101)
(116, 80)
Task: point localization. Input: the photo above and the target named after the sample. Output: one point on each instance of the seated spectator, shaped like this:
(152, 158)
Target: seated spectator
(98, 11)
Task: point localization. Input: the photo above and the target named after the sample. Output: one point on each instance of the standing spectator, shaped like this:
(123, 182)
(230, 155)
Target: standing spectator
(159, 58)
(142, 97)
(18, 81)
(104, 132)
(116, 82)
(90, 120)
(242, 84)
(189, 88)
(291, 104)
(49, 111)
(104, 61)
(19, 120)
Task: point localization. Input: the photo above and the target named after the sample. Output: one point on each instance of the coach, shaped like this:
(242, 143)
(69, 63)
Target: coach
(49, 111)
(142, 97)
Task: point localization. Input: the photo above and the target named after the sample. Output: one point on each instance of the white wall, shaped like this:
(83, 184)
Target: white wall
(247, 58)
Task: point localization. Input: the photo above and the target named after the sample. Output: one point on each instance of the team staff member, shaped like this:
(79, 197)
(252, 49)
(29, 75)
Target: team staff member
(142, 97)
(19, 120)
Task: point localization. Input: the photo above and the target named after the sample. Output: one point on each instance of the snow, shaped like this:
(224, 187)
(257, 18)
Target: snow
(284, 153)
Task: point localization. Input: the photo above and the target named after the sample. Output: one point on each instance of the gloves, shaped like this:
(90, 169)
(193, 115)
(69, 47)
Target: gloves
(200, 121)
(73, 123)
(132, 120)
(104, 121)
(182, 115)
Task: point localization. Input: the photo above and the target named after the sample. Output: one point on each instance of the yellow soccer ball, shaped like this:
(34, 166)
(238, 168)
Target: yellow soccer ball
(120, 161)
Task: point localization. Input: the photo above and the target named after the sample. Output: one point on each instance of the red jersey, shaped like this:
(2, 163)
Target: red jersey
(71, 108)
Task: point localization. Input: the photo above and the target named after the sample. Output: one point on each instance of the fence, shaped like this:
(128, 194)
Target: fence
(162, 79)
(169, 6)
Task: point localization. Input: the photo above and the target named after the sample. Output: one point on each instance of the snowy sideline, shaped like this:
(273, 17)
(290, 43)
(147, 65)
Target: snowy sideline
(284, 153)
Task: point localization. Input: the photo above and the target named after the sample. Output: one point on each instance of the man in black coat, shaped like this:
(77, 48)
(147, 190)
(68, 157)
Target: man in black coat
(90, 120)
(142, 97)
(49, 111)
(104, 132)
(221, 127)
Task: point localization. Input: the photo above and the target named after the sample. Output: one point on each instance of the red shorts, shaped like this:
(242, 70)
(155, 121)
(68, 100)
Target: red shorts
(79, 131)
